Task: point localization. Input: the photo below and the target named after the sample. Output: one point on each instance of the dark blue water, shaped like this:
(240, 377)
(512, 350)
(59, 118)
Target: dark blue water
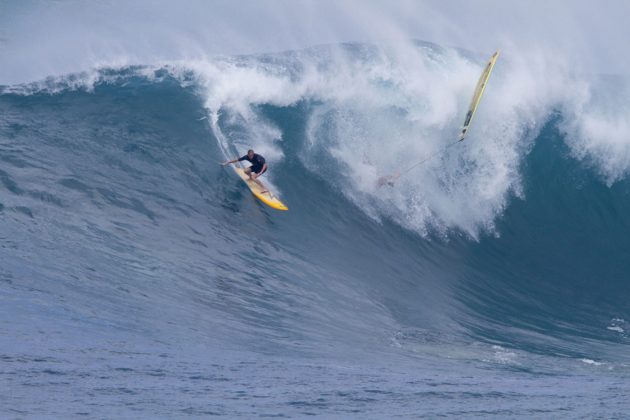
(139, 278)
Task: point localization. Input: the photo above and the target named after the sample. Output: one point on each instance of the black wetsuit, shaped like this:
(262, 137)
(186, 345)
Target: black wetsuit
(257, 162)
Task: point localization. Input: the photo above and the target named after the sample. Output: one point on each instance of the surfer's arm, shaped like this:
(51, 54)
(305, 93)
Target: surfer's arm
(227, 162)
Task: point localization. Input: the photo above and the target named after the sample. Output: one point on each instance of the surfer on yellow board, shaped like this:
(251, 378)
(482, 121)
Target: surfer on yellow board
(258, 167)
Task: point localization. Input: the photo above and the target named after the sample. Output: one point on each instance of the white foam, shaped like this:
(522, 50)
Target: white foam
(616, 328)
(503, 356)
(52, 85)
(404, 110)
(597, 128)
(591, 362)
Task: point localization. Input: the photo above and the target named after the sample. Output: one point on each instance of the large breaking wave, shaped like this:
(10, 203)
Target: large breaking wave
(116, 214)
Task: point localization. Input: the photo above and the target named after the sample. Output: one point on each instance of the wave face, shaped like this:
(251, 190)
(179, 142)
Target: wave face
(134, 265)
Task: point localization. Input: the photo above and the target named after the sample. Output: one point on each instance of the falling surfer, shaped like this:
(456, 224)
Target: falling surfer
(258, 167)
(474, 104)
(388, 180)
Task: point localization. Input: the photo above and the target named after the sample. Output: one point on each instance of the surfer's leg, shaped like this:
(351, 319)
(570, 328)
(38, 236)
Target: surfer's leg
(264, 190)
(261, 185)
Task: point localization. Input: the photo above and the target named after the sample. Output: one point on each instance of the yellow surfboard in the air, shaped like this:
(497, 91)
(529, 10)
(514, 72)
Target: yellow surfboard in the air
(266, 197)
(481, 86)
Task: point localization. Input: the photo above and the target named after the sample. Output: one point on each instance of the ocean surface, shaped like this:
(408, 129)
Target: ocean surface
(141, 279)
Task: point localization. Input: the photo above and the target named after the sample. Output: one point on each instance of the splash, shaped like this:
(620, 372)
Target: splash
(374, 109)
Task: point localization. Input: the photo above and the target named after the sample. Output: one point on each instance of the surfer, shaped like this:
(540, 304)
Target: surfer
(258, 167)
(388, 180)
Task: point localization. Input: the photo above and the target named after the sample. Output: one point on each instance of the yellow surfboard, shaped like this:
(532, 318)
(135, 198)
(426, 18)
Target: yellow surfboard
(266, 197)
(481, 86)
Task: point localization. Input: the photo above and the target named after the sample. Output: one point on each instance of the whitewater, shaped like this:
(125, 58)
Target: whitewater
(139, 278)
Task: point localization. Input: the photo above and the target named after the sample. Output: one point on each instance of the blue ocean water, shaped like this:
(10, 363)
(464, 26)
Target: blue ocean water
(139, 278)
